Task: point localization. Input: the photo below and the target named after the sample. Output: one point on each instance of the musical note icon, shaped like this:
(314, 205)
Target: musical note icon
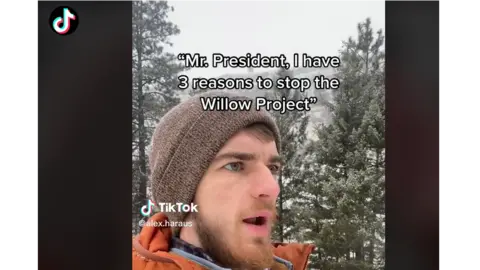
(147, 209)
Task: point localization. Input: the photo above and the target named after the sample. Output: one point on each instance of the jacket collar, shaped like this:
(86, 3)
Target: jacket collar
(153, 243)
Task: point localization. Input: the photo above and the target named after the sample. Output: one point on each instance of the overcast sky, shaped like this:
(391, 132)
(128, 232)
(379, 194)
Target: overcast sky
(269, 28)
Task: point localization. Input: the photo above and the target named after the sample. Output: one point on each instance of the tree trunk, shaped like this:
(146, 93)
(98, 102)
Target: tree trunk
(371, 250)
(280, 207)
(358, 253)
(142, 192)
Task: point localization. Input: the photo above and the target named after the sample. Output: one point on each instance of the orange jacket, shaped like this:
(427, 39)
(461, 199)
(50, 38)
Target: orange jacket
(150, 251)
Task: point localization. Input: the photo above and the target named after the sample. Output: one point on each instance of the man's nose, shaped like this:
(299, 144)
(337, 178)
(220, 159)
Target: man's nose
(265, 184)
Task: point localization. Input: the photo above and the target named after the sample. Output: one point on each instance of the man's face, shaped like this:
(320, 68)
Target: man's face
(236, 203)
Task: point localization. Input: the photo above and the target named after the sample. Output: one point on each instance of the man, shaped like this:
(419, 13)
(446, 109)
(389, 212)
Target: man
(225, 163)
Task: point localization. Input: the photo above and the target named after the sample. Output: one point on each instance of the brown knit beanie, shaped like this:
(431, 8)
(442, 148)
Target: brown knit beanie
(187, 139)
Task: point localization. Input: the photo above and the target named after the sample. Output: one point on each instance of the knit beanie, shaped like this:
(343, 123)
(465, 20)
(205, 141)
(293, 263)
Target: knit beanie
(186, 140)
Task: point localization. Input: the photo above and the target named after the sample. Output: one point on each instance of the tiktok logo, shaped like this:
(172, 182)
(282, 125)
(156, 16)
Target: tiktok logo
(147, 209)
(63, 20)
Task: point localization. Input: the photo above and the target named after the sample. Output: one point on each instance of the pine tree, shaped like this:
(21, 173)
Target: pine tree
(292, 126)
(154, 80)
(348, 189)
(371, 134)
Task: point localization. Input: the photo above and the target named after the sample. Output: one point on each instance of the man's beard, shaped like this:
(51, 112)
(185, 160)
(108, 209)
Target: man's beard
(216, 246)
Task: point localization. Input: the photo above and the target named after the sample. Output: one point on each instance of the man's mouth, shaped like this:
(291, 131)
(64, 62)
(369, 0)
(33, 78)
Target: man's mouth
(258, 221)
(257, 224)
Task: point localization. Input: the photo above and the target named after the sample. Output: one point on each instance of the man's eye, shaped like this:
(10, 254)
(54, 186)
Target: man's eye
(235, 166)
(275, 169)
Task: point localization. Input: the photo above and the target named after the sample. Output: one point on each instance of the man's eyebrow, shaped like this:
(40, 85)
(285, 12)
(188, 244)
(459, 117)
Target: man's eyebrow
(235, 155)
(276, 159)
(244, 157)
